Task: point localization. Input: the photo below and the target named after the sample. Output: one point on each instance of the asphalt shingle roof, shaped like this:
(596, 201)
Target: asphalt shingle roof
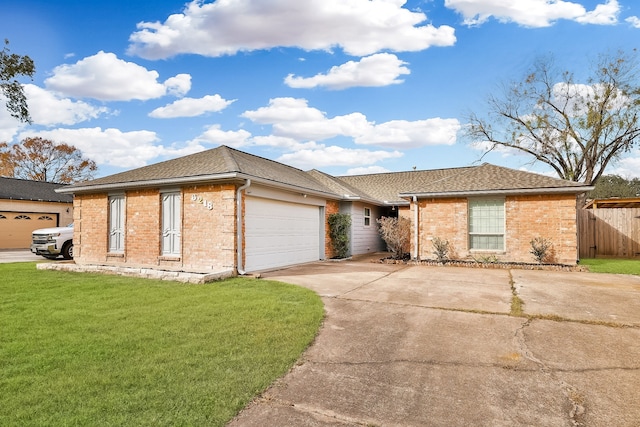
(22, 189)
(388, 188)
(217, 161)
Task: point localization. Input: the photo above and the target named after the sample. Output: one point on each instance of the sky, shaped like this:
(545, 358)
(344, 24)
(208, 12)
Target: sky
(343, 86)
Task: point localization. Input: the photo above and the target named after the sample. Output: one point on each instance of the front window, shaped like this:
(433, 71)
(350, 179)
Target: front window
(367, 217)
(171, 222)
(116, 224)
(486, 224)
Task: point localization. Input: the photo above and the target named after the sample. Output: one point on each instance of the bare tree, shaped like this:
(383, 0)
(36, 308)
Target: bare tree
(576, 128)
(11, 66)
(40, 159)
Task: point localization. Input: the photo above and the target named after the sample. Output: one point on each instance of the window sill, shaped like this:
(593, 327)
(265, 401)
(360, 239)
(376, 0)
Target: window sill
(173, 258)
(115, 255)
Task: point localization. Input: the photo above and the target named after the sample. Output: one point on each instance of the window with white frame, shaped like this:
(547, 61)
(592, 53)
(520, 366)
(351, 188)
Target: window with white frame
(116, 223)
(486, 224)
(171, 223)
(367, 217)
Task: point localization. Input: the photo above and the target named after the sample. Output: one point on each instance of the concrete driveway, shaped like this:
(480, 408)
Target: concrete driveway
(437, 346)
(18, 255)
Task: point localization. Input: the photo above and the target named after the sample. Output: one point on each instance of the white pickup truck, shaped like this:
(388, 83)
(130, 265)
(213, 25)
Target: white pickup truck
(53, 242)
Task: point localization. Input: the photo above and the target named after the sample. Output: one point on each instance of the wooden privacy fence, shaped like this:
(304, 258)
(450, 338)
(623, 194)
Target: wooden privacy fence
(609, 233)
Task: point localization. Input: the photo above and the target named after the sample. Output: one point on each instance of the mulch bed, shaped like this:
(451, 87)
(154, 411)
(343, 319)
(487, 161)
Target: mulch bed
(492, 265)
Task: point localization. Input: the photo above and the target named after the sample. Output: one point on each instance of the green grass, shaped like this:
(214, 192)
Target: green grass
(611, 265)
(89, 349)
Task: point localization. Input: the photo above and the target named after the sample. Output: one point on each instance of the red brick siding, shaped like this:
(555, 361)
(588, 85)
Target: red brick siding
(208, 235)
(551, 216)
(90, 222)
(526, 217)
(142, 226)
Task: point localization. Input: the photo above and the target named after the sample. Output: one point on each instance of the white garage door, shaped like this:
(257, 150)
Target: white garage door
(279, 233)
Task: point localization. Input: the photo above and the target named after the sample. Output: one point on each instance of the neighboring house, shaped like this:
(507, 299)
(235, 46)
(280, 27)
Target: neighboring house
(226, 210)
(28, 205)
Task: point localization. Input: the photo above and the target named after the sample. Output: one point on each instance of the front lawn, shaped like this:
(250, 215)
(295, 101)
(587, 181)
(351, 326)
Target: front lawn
(89, 349)
(611, 265)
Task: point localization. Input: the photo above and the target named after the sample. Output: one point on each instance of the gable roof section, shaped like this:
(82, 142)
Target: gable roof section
(488, 179)
(224, 164)
(22, 189)
(388, 187)
(220, 163)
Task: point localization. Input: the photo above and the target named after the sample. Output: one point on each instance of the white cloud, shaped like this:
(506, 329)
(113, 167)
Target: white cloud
(367, 170)
(103, 76)
(533, 13)
(215, 135)
(179, 85)
(603, 14)
(359, 27)
(47, 108)
(283, 143)
(335, 156)
(406, 134)
(9, 126)
(191, 107)
(114, 147)
(293, 118)
(634, 21)
(628, 167)
(381, 69)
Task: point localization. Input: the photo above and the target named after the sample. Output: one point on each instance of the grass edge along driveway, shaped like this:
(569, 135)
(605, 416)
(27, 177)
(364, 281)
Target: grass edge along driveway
(89, 349)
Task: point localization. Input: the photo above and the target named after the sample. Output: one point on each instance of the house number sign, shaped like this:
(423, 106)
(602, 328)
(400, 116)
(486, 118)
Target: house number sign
(198, 199)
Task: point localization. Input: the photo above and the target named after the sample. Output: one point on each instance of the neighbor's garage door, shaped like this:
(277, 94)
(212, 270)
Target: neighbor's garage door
(16, 227)
(280, 233)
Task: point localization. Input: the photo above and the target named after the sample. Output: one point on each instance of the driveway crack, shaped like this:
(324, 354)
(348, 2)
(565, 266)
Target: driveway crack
(575, 398)
(372, 281)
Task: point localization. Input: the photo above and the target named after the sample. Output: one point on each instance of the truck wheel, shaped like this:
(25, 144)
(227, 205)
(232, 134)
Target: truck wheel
(67, 250)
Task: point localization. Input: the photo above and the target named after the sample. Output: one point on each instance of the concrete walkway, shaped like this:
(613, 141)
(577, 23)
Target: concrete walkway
(437, 346)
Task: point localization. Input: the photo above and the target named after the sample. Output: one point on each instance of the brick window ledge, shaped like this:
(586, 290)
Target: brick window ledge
(115, 255)
(174, 258)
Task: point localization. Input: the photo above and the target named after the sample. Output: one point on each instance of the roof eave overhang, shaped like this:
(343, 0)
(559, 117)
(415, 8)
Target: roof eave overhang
(507, 192)
(191, 180)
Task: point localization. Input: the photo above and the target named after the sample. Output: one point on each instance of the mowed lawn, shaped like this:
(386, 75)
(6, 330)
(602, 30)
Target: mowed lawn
(89, 349)
(612, 265)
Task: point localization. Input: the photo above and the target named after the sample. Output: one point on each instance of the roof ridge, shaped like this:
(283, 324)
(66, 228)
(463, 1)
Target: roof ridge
(409, 171)
(228, 154)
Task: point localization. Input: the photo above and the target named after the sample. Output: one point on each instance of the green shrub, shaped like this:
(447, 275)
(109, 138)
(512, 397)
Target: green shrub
(339, 225)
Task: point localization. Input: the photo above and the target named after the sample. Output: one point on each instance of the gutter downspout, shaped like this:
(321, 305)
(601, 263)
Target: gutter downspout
(416, 228)
(240, 229)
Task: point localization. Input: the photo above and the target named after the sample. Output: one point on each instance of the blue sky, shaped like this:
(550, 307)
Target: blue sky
(343, 86)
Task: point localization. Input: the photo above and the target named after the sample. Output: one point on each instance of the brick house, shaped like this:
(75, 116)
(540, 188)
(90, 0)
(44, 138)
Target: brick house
(226, 210)
(29, 205)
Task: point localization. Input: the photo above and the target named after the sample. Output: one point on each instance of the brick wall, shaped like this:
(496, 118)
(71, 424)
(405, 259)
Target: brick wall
(90, 222)
(552, 217)
(208, 229)
(549, 216)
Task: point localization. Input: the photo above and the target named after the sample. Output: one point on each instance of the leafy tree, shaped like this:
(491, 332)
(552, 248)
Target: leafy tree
(615, 186)
(11, 66)
(40, 159)
(577, 129)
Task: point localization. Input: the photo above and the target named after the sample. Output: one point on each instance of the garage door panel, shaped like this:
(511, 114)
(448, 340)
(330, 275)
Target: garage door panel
(16, 227)
(279, 233)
